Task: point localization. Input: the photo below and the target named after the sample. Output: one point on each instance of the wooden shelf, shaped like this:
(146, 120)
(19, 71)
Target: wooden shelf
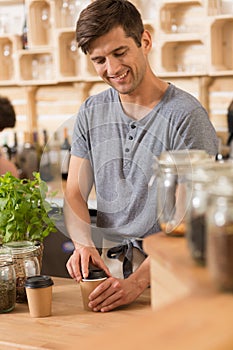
(192, 39)
(199, 47)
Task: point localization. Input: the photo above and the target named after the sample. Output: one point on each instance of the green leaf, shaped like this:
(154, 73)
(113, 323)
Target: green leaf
(3, 202)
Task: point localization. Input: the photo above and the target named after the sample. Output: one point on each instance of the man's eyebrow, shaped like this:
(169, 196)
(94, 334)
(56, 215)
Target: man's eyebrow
(123, 47)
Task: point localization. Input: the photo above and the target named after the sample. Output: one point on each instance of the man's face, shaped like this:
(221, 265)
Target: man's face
(119, 61)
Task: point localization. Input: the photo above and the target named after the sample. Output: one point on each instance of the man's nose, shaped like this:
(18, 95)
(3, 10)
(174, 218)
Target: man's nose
(112, 65)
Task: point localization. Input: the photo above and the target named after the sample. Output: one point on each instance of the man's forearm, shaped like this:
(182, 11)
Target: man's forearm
(141, 276)
(78, 223)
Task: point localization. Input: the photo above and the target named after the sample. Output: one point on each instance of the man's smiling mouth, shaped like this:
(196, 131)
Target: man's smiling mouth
(119, 77)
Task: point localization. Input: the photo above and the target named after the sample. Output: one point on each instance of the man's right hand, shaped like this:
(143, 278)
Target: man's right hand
(78, 263)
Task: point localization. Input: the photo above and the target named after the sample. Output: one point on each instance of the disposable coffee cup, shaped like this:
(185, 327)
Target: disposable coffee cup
(87, 285)
(39, 295)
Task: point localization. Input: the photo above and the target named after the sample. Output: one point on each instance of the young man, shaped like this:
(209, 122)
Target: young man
(116, 135)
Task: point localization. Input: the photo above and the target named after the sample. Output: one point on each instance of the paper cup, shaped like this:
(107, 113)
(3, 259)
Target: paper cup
(87, 285)
(39, 295)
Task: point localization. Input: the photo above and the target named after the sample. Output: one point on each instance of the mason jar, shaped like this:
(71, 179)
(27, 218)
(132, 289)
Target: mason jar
(25, 256)
(220, 233)
(171, 170)
(198, 184)
(7, 281)
(197, 187)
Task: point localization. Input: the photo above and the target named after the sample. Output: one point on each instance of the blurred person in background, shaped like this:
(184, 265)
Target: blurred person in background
(7, 120)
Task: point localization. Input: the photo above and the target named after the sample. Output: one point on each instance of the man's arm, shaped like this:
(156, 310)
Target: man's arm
(78, 187)
(77, 218)
(6, 165)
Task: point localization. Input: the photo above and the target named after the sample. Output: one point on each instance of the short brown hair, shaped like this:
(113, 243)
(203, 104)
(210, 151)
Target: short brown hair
(101, 16)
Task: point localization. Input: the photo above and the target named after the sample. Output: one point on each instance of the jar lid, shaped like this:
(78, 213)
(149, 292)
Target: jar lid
(39, 281)
(222, 187)
(17, 247)
(181, 158)
(211, 171)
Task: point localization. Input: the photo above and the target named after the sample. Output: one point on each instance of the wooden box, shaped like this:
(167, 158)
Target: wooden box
(40, 23)
(8, 46)
(221, 45)
(178, 56)
(181, 17)
(68, 55)
(36, 67)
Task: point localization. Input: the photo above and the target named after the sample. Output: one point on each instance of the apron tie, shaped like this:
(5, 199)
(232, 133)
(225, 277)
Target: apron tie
(126, 249)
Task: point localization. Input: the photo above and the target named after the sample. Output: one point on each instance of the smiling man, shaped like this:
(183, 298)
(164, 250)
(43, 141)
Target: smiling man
(116, 136)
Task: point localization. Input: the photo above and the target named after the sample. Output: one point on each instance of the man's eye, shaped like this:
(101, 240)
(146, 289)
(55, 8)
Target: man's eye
(99, 61)
(119, 54)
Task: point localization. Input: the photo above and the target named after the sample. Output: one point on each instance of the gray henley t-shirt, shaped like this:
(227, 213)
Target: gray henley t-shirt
(121, 151)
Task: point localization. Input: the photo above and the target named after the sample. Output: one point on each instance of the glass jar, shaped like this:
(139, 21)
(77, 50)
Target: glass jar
(195, 218)
(171, 170)
(220, 233)
(25, 256)
(7, 281)
(197, 186)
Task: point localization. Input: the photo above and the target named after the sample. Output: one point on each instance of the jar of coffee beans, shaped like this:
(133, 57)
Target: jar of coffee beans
(219, 217)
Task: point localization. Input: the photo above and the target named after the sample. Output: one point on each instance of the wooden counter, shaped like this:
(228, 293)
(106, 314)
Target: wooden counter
(68, 324)
(188, 313)
(193, 315)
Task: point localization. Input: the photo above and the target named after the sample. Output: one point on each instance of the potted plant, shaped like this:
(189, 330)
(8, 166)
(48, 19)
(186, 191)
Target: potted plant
(25, 220)
(24, 209)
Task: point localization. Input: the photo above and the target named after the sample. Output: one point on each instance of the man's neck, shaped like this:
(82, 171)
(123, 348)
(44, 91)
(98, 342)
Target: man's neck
(138, 105)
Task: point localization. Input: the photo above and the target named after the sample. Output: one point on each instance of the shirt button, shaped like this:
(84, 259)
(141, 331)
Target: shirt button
(133, 126)
(127, 150)
(130, 137)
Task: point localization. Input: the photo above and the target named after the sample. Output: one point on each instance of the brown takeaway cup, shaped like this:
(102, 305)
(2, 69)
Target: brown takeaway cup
(39, 295)
(88, 284)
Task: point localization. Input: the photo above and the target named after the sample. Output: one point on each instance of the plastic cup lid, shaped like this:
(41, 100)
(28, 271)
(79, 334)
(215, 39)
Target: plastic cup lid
(38, 281)
(95, 274)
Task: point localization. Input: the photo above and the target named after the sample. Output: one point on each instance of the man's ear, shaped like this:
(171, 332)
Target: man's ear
(146, 40)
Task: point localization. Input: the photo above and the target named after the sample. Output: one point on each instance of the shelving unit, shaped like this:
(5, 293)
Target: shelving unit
(193, 39)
